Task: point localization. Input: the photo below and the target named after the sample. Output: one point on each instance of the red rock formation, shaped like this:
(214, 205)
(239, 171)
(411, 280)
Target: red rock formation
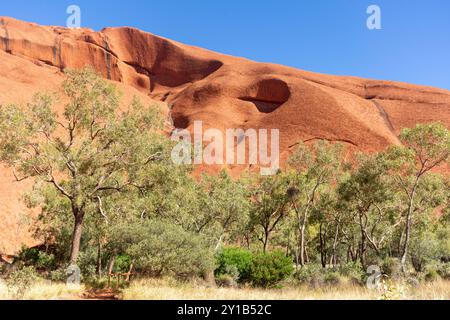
(197, 84)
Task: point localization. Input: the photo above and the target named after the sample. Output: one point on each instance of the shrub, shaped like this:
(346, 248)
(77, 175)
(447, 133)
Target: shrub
(87, 261)
(392, 267)
(268, 269)
(444, 270)
(160, 248)
(235, 262)
(431, 275)
(310, 274)
(436, 270)
(122, 263)
(19, 281)
(39, 259)
(424, 249)
(225, 280)
(332, 277)
(353, 271)
(58, 275)
(317, 276)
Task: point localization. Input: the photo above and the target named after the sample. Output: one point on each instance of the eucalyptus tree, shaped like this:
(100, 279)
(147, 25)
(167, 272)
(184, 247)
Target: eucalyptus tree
(368, 197)
(270, 206)
(425, 148)
(311, 170)
(86, 153)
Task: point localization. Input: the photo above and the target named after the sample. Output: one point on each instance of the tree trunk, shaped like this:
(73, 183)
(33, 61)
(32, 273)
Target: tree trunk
(130, 271)
(362, 253)
(408, 225)
(302, 236)
(209, 278)
(111, 264)
(99, 259)
(76, 236)
(306, 255)
(302, 245)
(322, 248)
(334, 255)
(266, 240)
(110, 269)
(362, 248)
(406, 243)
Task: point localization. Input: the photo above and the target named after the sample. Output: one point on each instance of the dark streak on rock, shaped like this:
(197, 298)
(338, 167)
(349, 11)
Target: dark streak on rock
(326, 139)
(107, 57)
(57, 53)
(385, 116)
(5, 39)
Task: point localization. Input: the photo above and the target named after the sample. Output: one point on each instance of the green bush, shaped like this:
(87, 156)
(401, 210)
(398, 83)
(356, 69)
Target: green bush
(225, 280)
(316, 276)
(159, 248)
(431, 275)
(310, 274)
(87, 262)
(392, 267)
(424, 249)
(436, 270)
(39, 259)
(332, 277)
(19, 281)
(268, 269)
(234, 260)
(58, 275)
(444, 270)
(122, 263)
(353, 271)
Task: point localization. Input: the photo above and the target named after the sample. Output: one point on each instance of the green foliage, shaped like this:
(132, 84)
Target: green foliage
(269, 207)
(432, 275)
(268, 269)
(58, 275)
(392, 268)
(230, 260)
(316, 276)
(160, 248)
(352, 270)
(428, 141)
(21, 280)
(109, 171)
(424, 249)
(444, 270)
(226, 280)
(90, 153)
(36, 258)
(310, 274)
(332, 277)
(122, 263)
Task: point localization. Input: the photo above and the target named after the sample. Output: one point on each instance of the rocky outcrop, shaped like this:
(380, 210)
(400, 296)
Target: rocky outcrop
(220, 90)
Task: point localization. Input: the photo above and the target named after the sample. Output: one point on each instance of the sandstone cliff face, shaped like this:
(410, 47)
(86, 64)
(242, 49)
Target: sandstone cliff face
(197, 84)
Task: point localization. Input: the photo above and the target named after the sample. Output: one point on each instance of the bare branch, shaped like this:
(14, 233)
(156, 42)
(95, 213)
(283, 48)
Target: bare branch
(100, 207)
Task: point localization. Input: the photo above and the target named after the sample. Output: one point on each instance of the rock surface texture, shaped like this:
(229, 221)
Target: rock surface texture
(197, 84)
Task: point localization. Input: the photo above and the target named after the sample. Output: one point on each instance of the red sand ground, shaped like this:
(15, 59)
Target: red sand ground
(197, 84)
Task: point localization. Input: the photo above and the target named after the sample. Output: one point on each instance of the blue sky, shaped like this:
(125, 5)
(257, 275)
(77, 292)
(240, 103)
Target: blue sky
(328, 36)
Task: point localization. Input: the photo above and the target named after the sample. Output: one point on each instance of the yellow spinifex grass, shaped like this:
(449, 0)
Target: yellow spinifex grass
(45, 290)
(169, 290)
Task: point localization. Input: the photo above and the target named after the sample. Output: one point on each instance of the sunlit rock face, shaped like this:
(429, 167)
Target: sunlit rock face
(200, 85)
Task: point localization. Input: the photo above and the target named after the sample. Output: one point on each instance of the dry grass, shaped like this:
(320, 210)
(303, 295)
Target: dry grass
(170, 290)
(44, 290)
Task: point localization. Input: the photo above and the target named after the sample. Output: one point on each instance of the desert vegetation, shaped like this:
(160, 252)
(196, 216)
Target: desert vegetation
(113, 202)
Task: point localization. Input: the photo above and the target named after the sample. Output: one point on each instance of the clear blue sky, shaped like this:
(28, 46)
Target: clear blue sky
(328, 36)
